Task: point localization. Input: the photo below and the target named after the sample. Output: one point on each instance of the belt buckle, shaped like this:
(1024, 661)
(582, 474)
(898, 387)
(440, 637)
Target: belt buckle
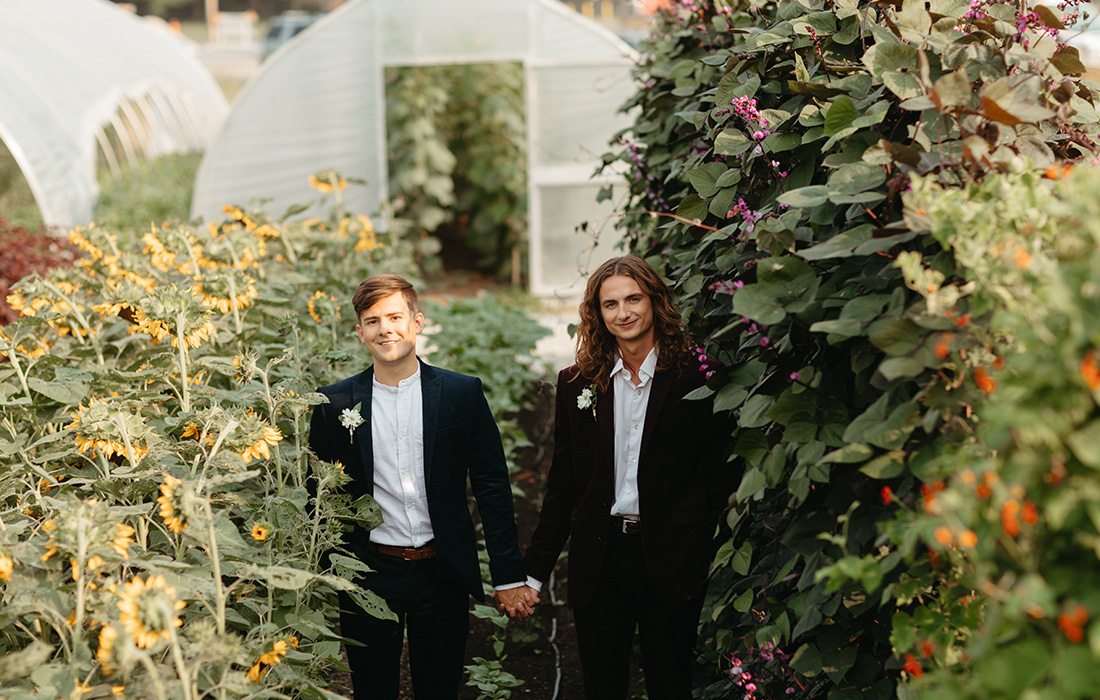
(631, 526)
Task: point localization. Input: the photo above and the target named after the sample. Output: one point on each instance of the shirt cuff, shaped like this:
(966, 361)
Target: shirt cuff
(535, 584)
(508, 586)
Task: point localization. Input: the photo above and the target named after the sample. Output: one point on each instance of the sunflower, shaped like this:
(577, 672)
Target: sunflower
(222, 290)
(103, 429)
(236, 214)
(327, 181)
(147, 610)
(158, 315)
(105, 655)
(7, 566)
(253, 438)
(123, 540)
(171, 504)
(323, 308)
(78, 239)
(267, 660)
(118, 691)
(259, 532)
(56, 298)
(368, 237)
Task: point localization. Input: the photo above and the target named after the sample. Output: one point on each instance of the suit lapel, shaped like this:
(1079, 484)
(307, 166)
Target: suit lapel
(605, 428)
(430, 390)
(362, 394)
(662, 384)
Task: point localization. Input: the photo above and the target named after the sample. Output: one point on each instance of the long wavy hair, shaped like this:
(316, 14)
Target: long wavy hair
(597, 350)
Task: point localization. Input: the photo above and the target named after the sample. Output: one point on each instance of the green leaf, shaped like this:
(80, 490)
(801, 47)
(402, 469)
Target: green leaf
(844, 328)
(759, 304)
(743, 602)
(841, 245)
(704, 177)
(890, 57)
(19, 664)
(805, 197)
(1014, 100)
(885, 466)
(953, 89)
(900, 367)
(66, 393)
(692, 208)
(732, 142)
(807, 660)
(754, 413)
(730, 397)
(1085, 443)
(913, 21)
(742, 559)
(752, 483)
(856, 177)
(840, 115)
(849, 454)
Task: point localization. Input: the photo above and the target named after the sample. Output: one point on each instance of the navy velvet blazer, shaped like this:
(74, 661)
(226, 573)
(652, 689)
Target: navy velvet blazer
(461, 444)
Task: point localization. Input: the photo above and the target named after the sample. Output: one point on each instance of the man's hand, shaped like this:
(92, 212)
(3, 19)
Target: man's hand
(517, 603)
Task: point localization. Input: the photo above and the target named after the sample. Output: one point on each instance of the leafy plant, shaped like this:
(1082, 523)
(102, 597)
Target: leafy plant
(772, 146)
(156, 191)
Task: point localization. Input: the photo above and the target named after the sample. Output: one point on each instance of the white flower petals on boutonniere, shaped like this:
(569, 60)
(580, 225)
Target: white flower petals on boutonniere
(351, 419)
(587, 399)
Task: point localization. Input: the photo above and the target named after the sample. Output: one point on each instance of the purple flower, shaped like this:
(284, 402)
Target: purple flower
(751, 687)
(753, 328)
(794, 378)
(764, 341)
(758, 135)
(789, 690)
(710, 373)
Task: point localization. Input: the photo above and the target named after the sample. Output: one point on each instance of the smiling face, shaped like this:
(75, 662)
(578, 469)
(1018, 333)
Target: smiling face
(389, 328)
(626, 310)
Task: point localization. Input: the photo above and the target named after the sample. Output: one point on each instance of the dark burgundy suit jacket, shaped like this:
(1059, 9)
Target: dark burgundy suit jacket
(684, 484)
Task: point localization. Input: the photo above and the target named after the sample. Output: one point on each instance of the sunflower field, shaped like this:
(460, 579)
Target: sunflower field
(164, 532)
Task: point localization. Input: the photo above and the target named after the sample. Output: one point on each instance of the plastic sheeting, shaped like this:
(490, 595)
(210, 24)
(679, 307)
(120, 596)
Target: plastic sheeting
(84, 80)
(319, 103)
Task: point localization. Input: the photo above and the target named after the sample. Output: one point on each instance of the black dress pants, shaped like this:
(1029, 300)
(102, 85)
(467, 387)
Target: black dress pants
(433, 610)
(624, 600)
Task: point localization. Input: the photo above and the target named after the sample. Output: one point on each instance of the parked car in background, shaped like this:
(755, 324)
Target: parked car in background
(284, 27)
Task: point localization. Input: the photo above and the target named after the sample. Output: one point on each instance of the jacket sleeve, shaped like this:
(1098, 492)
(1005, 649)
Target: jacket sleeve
(553, 527)
(493, 492)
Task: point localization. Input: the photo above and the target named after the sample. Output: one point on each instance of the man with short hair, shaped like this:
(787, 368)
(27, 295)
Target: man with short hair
(637, 483)
(418, 433)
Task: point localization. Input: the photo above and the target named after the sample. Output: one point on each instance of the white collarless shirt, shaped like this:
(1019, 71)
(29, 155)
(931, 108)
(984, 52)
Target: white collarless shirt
(397, 434)
(631, 401)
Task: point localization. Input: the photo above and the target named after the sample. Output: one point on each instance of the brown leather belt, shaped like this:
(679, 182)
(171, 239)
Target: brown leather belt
(426, 551)
(626, 524)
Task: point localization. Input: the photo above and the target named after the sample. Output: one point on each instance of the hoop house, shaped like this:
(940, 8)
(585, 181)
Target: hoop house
(84, 80)
(320, 103)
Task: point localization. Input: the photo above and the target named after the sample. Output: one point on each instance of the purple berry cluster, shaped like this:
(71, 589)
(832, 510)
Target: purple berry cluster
(747, 214)
(726, 286)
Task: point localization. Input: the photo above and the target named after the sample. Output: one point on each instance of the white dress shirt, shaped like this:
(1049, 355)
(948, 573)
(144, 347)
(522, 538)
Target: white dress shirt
(397, 434)
(631, 401)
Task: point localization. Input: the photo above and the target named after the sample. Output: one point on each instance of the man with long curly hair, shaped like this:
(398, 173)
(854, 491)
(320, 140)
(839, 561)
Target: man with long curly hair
(638, 483)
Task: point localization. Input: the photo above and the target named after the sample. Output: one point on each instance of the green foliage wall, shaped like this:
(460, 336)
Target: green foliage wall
(458, 158)
(769, 159)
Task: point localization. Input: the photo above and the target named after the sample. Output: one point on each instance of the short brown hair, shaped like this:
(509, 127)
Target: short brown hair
(597, 349)
(373, 289)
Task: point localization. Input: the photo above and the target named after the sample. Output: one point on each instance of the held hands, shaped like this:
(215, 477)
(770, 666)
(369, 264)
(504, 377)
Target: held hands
(517, 603)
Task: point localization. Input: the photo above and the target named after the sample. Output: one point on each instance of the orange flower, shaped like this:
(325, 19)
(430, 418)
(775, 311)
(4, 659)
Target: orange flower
(1090, 371)
(927, 648)
(1057, 171)
(912, 666)
(887, 494)
(943, 347)
(929, 491)
(963, 320)
(1009, 521)
(1072, 623)
(985, 382)
(1029, 513)
(944, 536)
(968, 539)
(998, 363)
(1023, 258)
(983, 491)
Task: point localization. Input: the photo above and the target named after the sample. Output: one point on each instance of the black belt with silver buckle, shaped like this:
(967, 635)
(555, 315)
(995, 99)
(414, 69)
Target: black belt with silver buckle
(627, 524)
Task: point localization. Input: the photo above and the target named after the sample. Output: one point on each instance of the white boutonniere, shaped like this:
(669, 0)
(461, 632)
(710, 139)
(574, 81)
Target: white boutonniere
(587, 399)
(351, 419)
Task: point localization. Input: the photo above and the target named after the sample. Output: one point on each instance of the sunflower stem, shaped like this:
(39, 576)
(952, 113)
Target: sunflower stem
(154, 673)
(181, 667)
(185, 393)
(216, 566)
(14, 359)
(233, 303)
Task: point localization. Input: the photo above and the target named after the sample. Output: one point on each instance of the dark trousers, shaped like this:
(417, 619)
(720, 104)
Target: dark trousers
(433, 610)
(626, 599)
